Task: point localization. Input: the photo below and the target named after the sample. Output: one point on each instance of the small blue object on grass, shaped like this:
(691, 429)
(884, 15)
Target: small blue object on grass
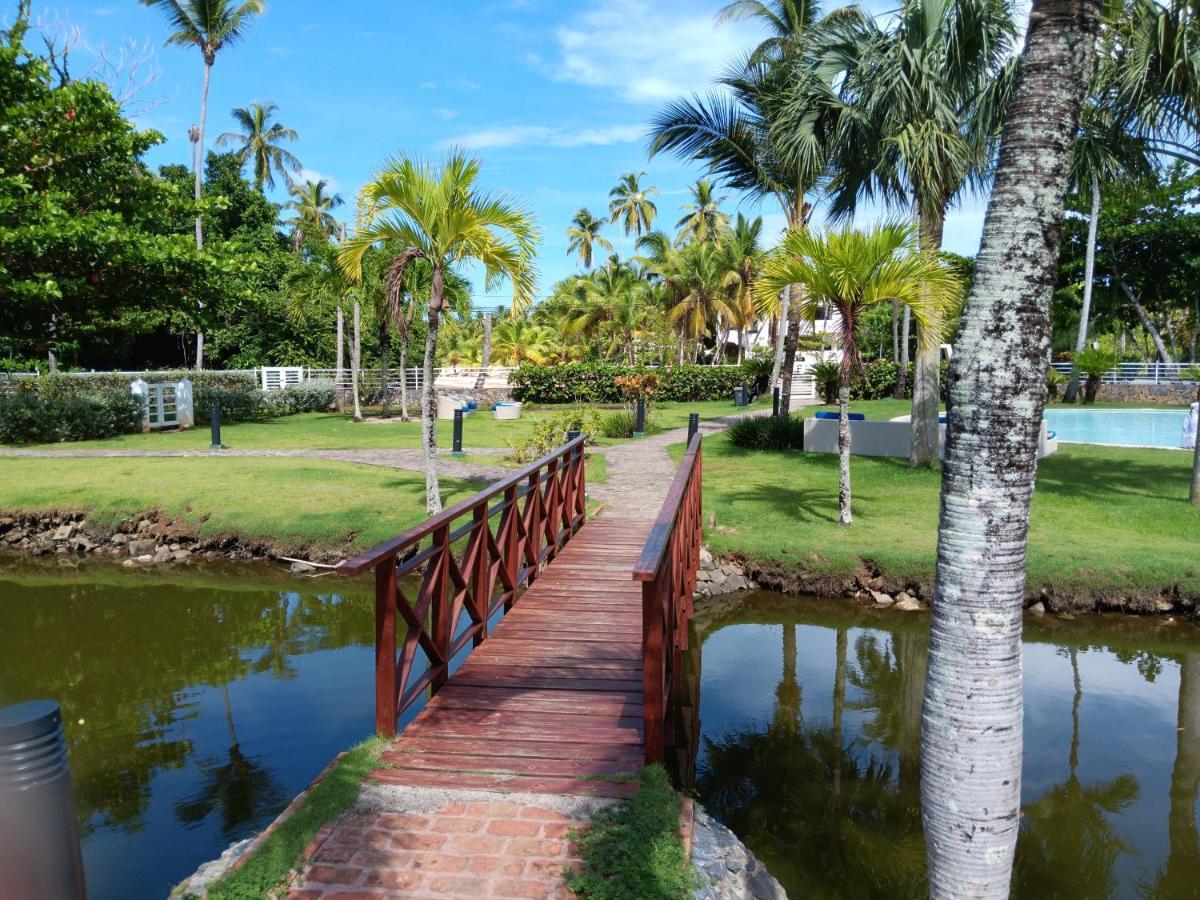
(853, 417)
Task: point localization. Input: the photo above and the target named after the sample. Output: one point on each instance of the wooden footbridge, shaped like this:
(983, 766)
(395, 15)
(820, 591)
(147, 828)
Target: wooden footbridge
(549, 646)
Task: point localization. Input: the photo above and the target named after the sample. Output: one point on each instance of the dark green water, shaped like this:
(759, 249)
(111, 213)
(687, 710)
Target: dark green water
(197, 703)
(809, 749)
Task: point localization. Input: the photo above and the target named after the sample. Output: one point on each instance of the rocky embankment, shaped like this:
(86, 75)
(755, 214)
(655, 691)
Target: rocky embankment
(148, 540)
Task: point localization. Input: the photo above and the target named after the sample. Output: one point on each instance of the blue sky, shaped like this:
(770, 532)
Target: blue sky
(553, 96)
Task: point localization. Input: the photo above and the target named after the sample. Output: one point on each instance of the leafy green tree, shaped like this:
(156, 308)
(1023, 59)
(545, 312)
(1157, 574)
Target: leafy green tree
(439, 215)
(851, 271)
(697, 293)
(261, 142)
(631, 204)
(89, 257)
(312, 210)
(210, 26)
(584, 236)
(702, 219)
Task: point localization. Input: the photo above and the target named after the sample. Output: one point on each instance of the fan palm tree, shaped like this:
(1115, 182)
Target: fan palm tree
(739, 134)
(702, 219)
(209, 26)
(260, 141)
(851, 271)
(312, 209)
(630, 204)
(922, 99)
(439, 214)
(584, 235)
(971, 734)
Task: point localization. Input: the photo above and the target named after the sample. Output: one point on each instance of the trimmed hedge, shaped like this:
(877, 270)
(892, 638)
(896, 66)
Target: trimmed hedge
(86, 383)
(27, 417)
(596, 382)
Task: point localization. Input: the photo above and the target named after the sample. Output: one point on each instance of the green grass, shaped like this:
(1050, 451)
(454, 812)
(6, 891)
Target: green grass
(333, 431)
(633, 848)
(336, 793)
(1104, 519)
(295, 503)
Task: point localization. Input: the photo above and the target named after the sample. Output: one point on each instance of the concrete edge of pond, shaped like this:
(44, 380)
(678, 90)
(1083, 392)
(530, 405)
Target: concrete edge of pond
(727, 868)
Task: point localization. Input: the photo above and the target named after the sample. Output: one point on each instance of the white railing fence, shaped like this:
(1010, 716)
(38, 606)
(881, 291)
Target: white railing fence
(1137, 372)
(165, 404)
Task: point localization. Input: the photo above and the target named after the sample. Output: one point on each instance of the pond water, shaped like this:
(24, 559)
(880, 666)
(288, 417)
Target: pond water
(809, 749)
(197, 702)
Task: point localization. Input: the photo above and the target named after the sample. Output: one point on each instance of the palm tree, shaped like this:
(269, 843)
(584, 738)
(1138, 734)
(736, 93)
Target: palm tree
(312, 209)
(584, 235)
(702, 219)
(741, 259)
(617, 305)
(972, 721)
(739, 133)
(518, 341)
(630, 204)
(697, 294)
(440, 215)
(851, 271)
(260, 141)
(922, 100)
(210, 26)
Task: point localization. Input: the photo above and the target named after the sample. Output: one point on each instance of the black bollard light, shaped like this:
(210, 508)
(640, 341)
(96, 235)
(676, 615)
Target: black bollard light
(693, 426)
(214, 427)
(639, 428)
(39, 840)
(775, 402)
(457, 449)
(572, 434)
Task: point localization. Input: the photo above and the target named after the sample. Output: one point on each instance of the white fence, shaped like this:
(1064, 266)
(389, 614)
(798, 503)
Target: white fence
(1137, 372)
(165, 404)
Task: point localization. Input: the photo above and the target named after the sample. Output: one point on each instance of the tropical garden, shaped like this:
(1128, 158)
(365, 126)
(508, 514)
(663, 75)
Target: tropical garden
(865, 132)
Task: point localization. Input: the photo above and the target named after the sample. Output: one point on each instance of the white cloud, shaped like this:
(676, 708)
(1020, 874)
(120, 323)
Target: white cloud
(281, 51)
(427, 85)
(445, 114)
(648, 52)
(514, 135)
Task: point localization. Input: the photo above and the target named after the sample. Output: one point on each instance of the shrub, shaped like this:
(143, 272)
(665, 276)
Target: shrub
(597, 382)
(768, 433)
(1094, 364)
(551, 431)
(757, 369)
(29, 417)
(238, 404)
(1054, 382)
(316, 395)
(828, 376)
(623, 424)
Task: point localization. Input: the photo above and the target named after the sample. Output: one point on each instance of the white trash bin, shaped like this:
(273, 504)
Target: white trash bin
(507, 410)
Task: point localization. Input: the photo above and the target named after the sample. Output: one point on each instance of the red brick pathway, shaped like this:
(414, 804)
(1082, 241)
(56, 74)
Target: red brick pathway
(488, 849)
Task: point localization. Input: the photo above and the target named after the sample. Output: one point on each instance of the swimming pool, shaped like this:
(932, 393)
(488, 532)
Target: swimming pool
(1118, 427)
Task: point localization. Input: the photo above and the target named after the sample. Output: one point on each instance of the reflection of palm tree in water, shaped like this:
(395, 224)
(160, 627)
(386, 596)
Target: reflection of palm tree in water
(1067, 845)
(891, 675)
(787, 693)
(1180, 877)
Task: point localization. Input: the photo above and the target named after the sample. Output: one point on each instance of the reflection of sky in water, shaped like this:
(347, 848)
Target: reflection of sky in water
(1127, 724)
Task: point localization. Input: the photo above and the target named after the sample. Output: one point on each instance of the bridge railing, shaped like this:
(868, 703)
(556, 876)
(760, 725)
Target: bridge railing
(475, 557)
(667, 570)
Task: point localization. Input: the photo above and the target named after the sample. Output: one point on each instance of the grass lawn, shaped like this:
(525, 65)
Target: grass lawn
(297, 503)
(1104, 519)
(332, 431)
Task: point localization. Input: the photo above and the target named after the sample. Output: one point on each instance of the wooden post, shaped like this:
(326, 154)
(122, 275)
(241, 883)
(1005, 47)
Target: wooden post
(386, 696)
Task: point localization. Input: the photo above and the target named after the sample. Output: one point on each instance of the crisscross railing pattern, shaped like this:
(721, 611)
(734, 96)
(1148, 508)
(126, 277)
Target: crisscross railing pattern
(667, 569)
(474, 558)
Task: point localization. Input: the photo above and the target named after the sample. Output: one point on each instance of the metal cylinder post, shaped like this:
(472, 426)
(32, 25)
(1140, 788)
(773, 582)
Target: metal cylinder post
(457, 449)
(214, 426)
(39, 839)
(775, 402)
(572, 434)
(639, 428)
(693, 426)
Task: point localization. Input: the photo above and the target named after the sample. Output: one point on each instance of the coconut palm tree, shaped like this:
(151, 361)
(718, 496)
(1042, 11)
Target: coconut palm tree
(971, 737)
(630, 204)
(260, 141)
(851, 271)
(312, 209)
(584, 235)
(440, 215)
(209, 26)
(517, 341)
(618, 306)
(922, 101)
(741, 259)
(696, 293)
(702, 219)
(739, 133)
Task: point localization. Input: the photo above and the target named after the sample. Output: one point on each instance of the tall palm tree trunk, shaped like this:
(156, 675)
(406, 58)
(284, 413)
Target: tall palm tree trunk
(385, 350)
(844, 516)
(356, 360)
(1164, 355)
(433, 495)
(896, 331)
(341, 355)
(779, 329)
(901, 390)
(1089, 271)
(404, 415)
(923, 450)
(1185, 784)
(1194, 494)
(972, 722)
(791, 338)
(199, 169)
(485, 357)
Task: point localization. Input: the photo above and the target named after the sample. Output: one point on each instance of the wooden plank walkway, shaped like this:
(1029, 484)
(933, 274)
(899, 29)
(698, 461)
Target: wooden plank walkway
(551, 702)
